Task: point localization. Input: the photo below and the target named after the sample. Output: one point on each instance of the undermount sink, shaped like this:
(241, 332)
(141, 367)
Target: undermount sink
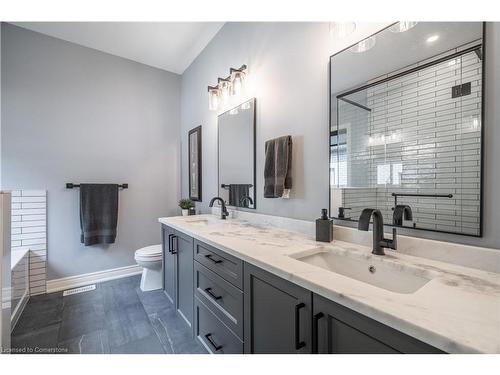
(198, 221)
(383, 274)
(204, 221)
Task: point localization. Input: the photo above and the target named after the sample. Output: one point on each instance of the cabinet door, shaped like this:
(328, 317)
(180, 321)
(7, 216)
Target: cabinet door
(183, 249)
(277, 314)
(337, 329)
(169, 263)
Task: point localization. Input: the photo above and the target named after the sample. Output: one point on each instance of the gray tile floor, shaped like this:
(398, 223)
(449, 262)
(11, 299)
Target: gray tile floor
(115, 318)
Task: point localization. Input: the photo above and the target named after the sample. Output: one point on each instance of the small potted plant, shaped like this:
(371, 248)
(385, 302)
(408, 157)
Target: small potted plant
(186, 205)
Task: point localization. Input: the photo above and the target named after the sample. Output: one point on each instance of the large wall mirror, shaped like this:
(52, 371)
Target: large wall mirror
(406, 110)
(236, 131)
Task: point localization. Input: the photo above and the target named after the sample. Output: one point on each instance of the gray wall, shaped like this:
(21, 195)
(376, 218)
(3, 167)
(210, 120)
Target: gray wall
(74, 114)
(288, 65)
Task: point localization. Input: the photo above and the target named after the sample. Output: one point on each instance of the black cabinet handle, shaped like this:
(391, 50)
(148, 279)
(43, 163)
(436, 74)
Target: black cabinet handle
(298, 344)
(209, 257)
(209, 292)
(316, 319)
(176, 239)
(170, 243)
(216, 347)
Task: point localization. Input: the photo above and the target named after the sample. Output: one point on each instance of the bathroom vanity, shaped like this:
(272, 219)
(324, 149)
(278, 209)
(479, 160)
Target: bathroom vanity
(252, 288)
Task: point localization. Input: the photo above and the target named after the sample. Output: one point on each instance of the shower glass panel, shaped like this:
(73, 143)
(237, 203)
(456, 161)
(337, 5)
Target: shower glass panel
(413, 137)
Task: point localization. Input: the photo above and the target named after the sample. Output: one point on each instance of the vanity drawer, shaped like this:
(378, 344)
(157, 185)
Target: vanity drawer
(228, 267)
(225, 300)
(213, 333)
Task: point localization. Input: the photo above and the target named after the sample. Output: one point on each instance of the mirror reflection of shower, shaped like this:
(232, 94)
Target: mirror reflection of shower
(414, 132)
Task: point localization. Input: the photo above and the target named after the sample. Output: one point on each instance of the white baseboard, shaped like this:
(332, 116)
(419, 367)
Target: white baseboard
(70, 282)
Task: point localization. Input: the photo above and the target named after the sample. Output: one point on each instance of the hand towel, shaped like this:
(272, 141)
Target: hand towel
(277, 167)
(236, 193)
(98, 213)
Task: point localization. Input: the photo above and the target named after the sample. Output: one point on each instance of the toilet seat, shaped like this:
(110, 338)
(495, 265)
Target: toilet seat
(149, 253)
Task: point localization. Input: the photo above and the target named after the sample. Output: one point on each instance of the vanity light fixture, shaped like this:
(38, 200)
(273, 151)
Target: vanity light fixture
(339, 30)
(213, 98)
(402, 26)
(229, 86)
(237, 79)
(432, 38)
(224, 85)
(364, 45)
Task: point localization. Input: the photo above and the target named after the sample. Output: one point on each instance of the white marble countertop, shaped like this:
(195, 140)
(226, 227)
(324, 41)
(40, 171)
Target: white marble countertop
(457, 311)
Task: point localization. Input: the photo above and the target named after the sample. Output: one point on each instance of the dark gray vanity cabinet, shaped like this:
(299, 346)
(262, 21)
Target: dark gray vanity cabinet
(277, 314)
(339, 330)
(178, 271)
(235, 307)
(218, 319)
(183, 247)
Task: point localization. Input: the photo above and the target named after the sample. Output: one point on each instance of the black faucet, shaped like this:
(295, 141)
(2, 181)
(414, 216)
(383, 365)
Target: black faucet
(223, 209)
(379, 242)
(244, 200)
(400, 211)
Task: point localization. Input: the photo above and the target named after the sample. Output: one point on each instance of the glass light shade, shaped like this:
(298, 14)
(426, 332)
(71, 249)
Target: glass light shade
(402, 26)
(237, 82)
(224, 90)
(339, 30)
(364, 45)
(233, 111)
(213, 99)
(245, 105)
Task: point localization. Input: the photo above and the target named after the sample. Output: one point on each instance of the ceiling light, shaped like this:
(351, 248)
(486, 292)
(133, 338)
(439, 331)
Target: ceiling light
(339, 30)
(402, 26)
(364, 45)
(432, 38)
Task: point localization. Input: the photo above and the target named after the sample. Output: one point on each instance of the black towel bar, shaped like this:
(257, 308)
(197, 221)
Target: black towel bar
(226, 186)
(70, 185)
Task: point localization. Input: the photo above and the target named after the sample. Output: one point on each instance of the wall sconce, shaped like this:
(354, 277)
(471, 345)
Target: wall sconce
(229, 86)
(213, 98)
(237, 79)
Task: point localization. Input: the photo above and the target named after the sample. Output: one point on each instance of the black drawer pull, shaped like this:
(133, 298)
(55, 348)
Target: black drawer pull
(315, 334)
(170, 242)
(175, 240)
(216, 261)
(298, 344)
(208, 291)
(216, 347)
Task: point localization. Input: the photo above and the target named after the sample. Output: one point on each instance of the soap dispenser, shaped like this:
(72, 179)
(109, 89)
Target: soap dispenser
(324, 227)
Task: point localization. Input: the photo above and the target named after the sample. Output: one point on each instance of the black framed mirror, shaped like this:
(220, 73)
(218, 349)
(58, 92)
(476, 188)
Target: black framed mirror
(406, 127)
(194, 162)
(236, 155)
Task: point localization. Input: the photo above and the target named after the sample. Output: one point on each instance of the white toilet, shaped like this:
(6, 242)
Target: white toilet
(150, 259)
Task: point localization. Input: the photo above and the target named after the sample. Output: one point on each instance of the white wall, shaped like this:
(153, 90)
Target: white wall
(74, 114)
(288, 64)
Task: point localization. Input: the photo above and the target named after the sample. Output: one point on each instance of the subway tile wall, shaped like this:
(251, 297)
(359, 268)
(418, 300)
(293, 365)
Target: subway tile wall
(29, 231)
(420, 140)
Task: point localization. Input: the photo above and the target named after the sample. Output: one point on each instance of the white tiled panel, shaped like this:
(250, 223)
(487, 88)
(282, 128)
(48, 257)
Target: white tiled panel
(29, 231)
(435, 150)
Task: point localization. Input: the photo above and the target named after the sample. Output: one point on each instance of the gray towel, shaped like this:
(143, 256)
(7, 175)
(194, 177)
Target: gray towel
(236, 193)
(98, 213)
(277, 167)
